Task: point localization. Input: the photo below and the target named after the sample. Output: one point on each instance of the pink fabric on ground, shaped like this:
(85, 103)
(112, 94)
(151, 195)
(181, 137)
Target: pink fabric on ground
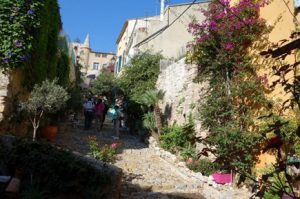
(221, 178)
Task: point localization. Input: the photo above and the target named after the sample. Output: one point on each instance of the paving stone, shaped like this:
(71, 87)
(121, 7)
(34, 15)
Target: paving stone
(149, 171)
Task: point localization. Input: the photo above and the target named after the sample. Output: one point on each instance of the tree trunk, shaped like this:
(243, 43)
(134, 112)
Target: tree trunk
(34, 133)
(157, 119)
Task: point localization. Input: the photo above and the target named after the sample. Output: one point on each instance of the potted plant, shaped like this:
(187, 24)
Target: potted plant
(47, 97)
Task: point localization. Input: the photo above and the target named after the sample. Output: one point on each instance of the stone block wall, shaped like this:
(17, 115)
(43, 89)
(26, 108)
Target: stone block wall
(4, 81)
(182, 96)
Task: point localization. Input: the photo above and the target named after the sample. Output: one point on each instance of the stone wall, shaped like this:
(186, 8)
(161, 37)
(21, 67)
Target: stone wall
(182, 96)
(4, 80)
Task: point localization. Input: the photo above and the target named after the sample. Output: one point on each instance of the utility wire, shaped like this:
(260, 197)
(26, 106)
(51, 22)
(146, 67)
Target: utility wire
(155, 34)
(291, 12)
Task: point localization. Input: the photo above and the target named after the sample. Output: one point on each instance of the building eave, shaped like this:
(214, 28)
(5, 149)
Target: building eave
(107, 53)
(122, 31)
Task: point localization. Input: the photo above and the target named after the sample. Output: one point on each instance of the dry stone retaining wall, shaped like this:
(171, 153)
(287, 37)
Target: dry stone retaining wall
(182, 96)
(209, 189)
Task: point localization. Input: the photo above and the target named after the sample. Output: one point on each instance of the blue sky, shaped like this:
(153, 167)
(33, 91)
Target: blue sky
(103, 19)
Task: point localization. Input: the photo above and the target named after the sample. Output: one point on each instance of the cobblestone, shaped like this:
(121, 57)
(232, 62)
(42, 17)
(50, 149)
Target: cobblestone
(149, 172)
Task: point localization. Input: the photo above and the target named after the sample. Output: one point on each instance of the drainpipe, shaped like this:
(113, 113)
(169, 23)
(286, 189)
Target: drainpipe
(162, 9)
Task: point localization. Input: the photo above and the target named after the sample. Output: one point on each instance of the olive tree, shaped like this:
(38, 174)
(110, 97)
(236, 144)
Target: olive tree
(47, 97)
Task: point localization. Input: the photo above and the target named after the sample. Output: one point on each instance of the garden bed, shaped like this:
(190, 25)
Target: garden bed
(55, 173)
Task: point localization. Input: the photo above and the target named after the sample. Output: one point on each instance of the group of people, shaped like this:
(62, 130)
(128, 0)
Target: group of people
(94, 108)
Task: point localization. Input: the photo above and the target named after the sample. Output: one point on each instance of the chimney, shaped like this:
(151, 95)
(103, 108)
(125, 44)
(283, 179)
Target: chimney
(162, 9)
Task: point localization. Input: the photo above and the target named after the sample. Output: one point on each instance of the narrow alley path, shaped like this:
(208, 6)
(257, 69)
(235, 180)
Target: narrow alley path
(146, 174)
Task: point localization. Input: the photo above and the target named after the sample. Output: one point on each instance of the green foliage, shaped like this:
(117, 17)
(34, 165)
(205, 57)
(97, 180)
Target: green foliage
(151, 97)
(75, 101)
(18, 19)
(178, 138)
(63, 63)
(149, 121)
(47, 97)
(105, 153)
(172, 138)
(104, 84)
(277, 185)
(33, 192)
(236, 93)
(204, 166)
(43, 58)
(54, 171)
(141, 75)
(234, 149)
(188, 152)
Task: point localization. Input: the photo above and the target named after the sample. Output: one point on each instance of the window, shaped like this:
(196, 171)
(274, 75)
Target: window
(81, 52)
(95, 66)
(104, 55)
(97, 55)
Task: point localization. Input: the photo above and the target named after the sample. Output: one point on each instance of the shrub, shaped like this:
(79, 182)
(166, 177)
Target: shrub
(188, 152)
(235, 96)
(149, 122)
(54, 171)
(105, 153)
(204, 166)
(140, 75)
(172, 138)
(47, 97)
(179, 138)
(104, 84)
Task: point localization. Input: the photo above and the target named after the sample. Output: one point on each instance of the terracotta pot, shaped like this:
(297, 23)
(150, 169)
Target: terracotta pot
(49, 132)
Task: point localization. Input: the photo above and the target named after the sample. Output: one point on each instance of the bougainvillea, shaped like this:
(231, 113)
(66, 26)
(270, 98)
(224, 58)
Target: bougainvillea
(222, 39)
(18, 18)
(221, 49)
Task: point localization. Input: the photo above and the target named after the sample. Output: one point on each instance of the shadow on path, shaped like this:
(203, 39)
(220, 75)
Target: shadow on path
(145, 176)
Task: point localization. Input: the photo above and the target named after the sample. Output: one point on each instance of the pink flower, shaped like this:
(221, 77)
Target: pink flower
(228, 46)
(213, 25)
(114, 145)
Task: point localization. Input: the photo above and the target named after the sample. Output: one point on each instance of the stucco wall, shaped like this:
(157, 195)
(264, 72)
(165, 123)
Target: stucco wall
(101, 58)
(283, 22)
(173, 41)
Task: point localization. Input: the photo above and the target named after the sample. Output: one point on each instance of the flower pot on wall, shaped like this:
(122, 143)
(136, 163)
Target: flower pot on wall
(49, 132)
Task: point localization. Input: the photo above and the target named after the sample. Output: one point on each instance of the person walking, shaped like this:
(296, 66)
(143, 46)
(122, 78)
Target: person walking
(116, 121)
(99, 114)
(106, 107)
(88, 109)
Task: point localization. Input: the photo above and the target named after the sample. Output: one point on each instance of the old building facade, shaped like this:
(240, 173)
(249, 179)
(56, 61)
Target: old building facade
(92, 62)
(166, 33)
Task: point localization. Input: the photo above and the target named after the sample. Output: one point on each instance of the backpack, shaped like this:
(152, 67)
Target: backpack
(113, 113)
(89, 106)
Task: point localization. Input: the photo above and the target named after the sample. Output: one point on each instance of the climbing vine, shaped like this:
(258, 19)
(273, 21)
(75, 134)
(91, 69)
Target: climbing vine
(221, 50)
(18, 20)
(29, 34)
